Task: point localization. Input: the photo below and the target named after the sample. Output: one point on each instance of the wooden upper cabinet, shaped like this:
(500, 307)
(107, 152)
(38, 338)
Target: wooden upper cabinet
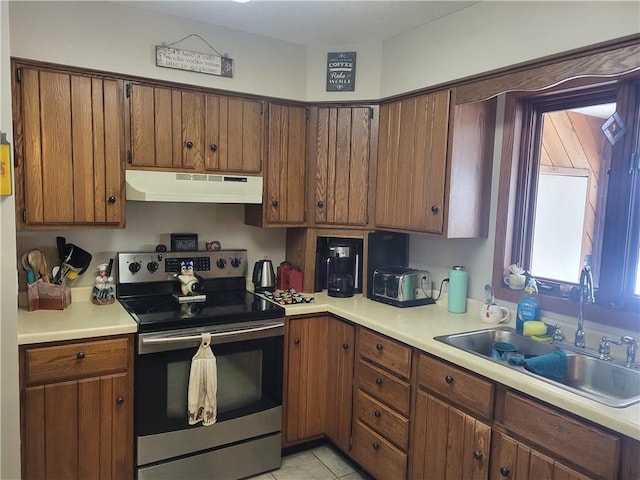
(434, 165)
(194, 131)
(69, 136)
(285, 172)
(340, 155)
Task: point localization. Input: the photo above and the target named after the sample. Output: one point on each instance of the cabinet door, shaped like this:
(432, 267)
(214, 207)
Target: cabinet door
(412, 160)
(69, 134)
(448, 443)
(285, 190)
(155, 116)
(307, 375)
(511, 459)
(342, 157)
(234, 134)
(340, 350)
(79, 429)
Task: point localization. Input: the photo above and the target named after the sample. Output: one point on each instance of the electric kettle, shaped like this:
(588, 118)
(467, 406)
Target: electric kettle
(264, 279)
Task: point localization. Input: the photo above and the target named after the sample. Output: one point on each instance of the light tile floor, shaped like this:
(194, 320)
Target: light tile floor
(318, 463)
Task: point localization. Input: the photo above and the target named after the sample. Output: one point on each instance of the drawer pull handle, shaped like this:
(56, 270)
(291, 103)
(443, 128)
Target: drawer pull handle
(477, 455)
(378, 381)
(379, 347)
(504, 471)
(448, 379)
(375, 446)
(120, 400)
(377, 413)
(80, 355)
(296, 341)
(345, 345)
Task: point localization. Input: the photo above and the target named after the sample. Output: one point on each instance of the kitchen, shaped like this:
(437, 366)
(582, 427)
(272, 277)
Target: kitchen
(35, 32)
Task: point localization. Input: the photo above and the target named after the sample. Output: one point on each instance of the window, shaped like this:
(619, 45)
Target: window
(573, 196)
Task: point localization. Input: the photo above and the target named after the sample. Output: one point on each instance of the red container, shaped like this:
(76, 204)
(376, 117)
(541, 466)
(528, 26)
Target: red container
(295, 279)
(283, 276)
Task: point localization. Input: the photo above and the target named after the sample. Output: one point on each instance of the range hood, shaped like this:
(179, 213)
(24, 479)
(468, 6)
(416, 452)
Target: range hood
(146, 186)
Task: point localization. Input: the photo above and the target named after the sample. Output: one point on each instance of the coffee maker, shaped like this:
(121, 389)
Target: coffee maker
(339, 266)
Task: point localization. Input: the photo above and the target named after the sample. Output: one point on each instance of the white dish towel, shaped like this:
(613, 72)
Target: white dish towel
(203, 385)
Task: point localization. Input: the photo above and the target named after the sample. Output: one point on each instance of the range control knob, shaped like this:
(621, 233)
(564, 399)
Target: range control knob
(236, 262)
(221, 263)
(134, 267)
(152, 266)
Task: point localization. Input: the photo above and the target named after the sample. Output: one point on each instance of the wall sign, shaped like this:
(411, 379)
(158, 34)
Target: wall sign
(177, 58)
(341, 71)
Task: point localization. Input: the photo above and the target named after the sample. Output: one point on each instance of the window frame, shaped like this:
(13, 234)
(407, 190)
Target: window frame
(518, 146)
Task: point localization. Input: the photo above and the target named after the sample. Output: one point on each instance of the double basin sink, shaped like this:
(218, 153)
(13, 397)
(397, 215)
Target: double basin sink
(599, 380)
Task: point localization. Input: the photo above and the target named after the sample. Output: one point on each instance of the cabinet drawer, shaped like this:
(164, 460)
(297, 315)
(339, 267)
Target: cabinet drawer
(376, 455)
(382, 419)
(593, 449)
(383, 386)
(385, 352)
(456, 385)
(60, 362)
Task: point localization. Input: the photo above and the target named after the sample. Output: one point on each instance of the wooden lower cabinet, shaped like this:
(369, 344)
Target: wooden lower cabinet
(319, 377)
(448, 443)
(511, 459)
(376, 454)
(77, 419)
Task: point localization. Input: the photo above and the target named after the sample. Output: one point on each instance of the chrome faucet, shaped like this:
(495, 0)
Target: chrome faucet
(632, 349)
(586, 296)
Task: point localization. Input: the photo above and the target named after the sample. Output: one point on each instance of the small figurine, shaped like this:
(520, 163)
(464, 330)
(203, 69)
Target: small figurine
(188, 279)
(103, 293)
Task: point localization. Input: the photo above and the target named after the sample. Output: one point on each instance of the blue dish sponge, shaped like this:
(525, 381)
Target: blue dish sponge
(550, 365)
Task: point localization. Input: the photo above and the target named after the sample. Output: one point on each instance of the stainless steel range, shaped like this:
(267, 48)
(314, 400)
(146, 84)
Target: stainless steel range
(247, 338)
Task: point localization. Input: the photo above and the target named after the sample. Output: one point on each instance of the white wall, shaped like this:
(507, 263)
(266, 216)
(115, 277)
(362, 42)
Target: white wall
(9, 406)
(495, 34)
(122, 39)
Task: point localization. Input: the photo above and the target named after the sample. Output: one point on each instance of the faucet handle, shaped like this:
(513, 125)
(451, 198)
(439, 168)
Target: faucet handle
(604, 349)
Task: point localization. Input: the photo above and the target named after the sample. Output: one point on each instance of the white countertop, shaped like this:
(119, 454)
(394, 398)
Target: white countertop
(417, 326)
(81, 319)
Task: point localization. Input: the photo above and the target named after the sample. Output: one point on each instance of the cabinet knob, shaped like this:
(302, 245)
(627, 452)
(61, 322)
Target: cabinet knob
(189, 144)
(434, 209)
(120, 400)
(379, 347)
(378, 381)
(214, 147)
(80, 355)
(111, 199)
(504, 471)
(345, 345)
(296, 341)
(320, 204)
(375, 446)
(477, 455)
(274, 203)
(448, 379)
(377, 414)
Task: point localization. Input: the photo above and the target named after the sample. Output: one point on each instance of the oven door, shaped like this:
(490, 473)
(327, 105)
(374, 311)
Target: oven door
(249, 361)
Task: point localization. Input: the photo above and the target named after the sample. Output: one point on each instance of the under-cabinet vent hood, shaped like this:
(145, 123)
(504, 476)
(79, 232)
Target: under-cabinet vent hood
(146, 186)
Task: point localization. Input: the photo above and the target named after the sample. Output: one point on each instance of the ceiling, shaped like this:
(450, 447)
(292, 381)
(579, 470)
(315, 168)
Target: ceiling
(311, 22)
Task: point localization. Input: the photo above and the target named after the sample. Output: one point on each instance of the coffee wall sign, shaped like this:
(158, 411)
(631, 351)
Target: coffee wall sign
(341, 71)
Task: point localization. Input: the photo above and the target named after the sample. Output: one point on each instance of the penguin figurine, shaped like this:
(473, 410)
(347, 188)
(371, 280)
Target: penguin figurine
(188, 279)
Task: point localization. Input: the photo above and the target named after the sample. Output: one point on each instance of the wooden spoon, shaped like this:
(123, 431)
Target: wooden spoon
(44, 270)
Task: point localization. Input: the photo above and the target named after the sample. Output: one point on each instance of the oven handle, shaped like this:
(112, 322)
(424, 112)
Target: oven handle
(195, 338)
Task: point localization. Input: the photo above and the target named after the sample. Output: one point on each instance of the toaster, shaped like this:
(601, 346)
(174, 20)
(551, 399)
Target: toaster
(402, 286)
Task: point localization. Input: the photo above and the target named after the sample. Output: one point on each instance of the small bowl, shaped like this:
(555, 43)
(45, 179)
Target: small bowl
(498, 349)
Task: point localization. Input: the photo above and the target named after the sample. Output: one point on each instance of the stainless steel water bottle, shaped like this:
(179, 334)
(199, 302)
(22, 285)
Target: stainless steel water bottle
(457, 298)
